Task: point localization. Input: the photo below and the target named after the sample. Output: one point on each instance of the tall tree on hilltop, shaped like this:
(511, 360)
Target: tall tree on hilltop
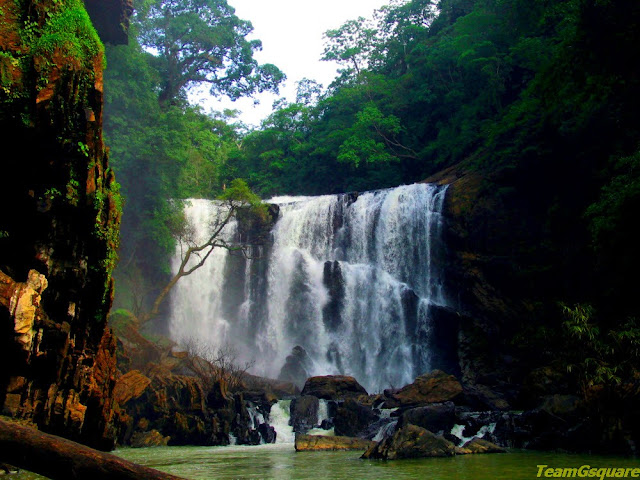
(203, 42)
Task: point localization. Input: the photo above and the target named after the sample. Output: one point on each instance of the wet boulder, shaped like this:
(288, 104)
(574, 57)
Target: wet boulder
(333, 387)
(479, 445)
(437, 417)
(481, 397)
(304, 413)
(411, 441)
(433, 387)
(353, 419)
(323, 443)
(267, 432)
(151, 438)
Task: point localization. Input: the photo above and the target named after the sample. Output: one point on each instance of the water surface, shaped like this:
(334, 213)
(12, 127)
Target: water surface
(281, 462)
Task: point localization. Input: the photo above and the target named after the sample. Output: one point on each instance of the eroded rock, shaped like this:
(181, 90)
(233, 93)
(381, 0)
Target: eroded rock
(352, 419)
(333, 387)
(305, 443)
(433, 387)
(411, 441)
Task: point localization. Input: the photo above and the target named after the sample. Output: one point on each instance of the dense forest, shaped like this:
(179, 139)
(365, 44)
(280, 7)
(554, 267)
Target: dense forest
(540, 97)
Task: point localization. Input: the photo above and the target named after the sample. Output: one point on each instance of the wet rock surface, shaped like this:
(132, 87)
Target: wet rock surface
(305, 443)
(304, 413)
(352, 418)
(59, 228)
(333, 387)
(434, 387)
(411, 442)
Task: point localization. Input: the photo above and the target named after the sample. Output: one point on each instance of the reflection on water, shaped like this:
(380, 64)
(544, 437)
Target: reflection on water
(281, 462)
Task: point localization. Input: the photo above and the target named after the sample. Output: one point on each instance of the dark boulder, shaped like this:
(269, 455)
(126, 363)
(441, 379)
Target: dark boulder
(152, 438)
(353, 419)
(267, 432)
(333, 387)
(479, 445)
(304, 413)
(434, 387)
(437, 417)
(306, 443)
(411, 442)
(481, 397)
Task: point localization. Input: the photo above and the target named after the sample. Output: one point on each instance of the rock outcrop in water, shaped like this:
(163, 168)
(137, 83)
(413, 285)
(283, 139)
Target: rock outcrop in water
(333, 387)
(411, 442)
(59, 227)
(318, 443)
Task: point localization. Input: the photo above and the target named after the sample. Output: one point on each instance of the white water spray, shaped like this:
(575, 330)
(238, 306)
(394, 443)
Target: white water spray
(349, 278)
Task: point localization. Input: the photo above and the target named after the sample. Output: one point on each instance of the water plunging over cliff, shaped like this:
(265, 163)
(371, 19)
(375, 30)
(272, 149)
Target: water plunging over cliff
(350, 278)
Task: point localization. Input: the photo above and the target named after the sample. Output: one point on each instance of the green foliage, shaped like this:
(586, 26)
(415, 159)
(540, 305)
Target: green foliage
(162, 153)
(601, 357)
(538, 95)
(617, 204)
(369, 137)
(70, 32)
(121, 320)
(203, 42)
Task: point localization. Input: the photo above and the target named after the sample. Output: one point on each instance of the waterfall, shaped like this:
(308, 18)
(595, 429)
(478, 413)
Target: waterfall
(279, 420)
(350, 278)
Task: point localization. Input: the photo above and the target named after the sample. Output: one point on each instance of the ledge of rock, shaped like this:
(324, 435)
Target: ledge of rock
(333, 387)
(306, 443)
(411, 441)
(479, 445)
(434, 387)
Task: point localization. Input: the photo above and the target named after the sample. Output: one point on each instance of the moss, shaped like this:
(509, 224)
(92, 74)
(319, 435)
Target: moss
(70, 33)
(122, 320)
(108, 211)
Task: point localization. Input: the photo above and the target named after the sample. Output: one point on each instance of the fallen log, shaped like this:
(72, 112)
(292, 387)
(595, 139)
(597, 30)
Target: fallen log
(58, 458)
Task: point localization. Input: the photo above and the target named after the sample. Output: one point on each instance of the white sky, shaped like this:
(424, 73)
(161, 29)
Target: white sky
(291, 33)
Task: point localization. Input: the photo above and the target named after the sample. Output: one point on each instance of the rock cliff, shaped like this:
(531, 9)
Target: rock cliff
(517, 248)
(59, 223)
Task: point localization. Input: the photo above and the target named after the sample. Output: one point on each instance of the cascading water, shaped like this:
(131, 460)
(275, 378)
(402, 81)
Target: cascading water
(349, 278)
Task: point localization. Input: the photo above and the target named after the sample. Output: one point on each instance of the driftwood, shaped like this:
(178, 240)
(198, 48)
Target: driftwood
(58, 458)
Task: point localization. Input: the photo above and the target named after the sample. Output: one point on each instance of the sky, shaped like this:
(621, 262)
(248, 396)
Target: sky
(291, 32)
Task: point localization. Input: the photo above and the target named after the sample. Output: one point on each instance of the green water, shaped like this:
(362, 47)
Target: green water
(281, 462)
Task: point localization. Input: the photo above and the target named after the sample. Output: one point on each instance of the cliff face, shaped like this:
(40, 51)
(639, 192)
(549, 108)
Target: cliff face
(511, 264)
(507, 281)
(59, 223)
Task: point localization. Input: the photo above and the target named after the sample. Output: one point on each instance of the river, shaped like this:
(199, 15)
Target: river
(281, 462)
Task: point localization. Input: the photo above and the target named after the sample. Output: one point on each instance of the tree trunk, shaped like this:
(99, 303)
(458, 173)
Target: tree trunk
(58, 458)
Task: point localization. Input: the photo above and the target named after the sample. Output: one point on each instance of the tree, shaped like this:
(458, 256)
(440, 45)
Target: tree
(194, 254)
(212, 365)
(203, 42)
(350, 45)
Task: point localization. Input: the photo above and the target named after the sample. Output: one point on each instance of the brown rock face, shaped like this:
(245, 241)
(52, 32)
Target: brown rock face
(306, 443)
(352, 418)
(333, 387)
(479, 445)
(59, 227)
(176, 407)
(434, 387)
(130, 386)
(411, 442)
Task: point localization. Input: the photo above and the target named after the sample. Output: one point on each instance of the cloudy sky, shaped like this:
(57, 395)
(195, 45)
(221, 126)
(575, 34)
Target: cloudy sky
(291, 33)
